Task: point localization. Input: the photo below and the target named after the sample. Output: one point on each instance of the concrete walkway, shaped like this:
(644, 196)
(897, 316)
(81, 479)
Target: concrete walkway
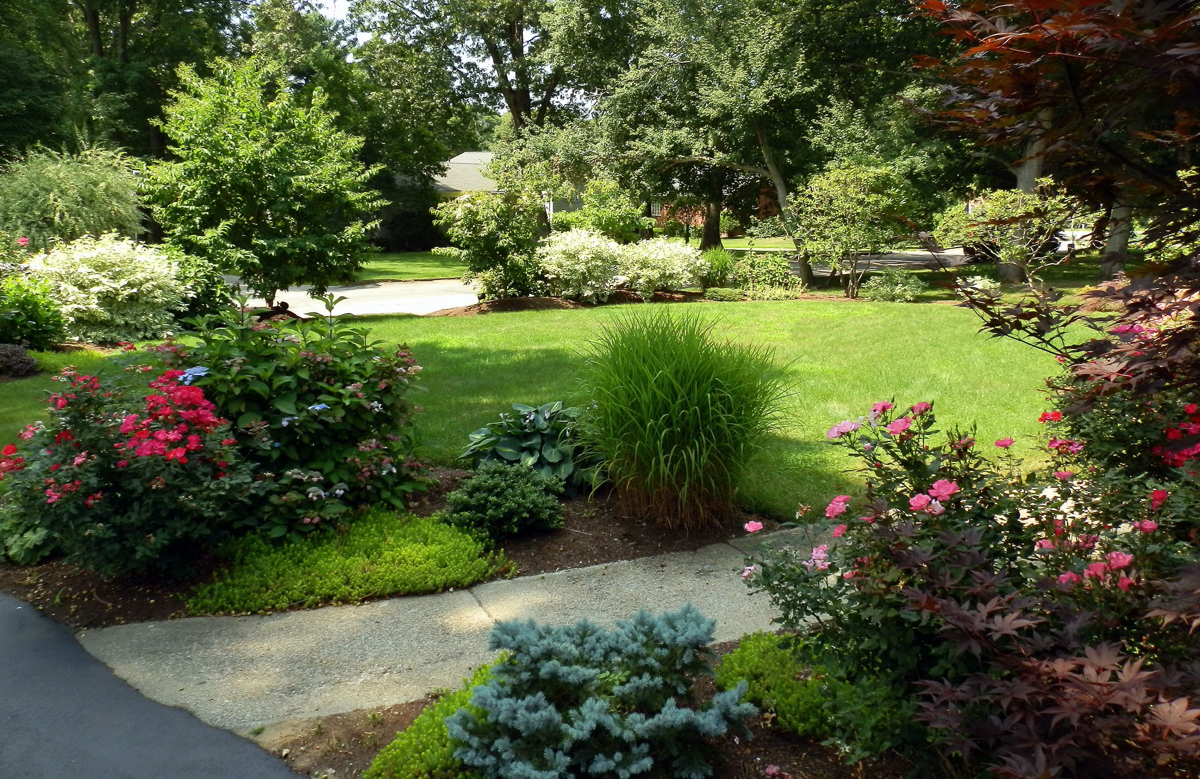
(381, 297)
(242, 673)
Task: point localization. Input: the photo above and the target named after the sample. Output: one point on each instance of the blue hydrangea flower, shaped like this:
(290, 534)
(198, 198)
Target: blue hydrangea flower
(318, 407)
(191, 374)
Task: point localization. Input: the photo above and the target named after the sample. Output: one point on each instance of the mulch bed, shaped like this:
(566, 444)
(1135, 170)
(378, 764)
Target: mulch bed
(595, 531)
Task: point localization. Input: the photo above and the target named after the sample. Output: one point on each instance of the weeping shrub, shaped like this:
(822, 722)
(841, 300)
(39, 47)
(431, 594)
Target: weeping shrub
(677, 414)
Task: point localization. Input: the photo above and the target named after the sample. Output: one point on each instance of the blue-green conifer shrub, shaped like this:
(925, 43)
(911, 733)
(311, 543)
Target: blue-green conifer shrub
(585, 701)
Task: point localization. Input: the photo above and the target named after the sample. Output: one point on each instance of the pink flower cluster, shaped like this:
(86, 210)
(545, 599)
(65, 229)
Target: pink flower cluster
(1102, 571)
(819, 559)
(1065, 446)
(837, 506)
(931, 503)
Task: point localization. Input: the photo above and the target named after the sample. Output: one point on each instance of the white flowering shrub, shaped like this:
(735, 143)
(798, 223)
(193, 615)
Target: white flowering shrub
(580, 265)
(661, 264)
(112, 289)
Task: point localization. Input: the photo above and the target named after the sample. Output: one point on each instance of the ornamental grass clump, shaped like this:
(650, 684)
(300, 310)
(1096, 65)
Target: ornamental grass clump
(677, 415)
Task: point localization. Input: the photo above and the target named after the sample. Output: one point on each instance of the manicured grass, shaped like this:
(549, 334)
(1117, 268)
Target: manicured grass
(380, 554)
(839, 358)
(408, 266)
(24, 400)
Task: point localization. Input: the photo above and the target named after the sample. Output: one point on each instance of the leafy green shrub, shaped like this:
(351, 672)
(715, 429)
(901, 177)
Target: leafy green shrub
(111, 289)
(579, 265)
(122, 490)
(504, 499)
(28, 314)
(13, 253)
(583, 700)
(495, 235)
(957, 579)
(260, 181)
(207, 291)
(673, 228)
(724, 294)
(424, 749)
(542, 438)
(54, 197)
(894, 285)
(324, 409)
(777, 682)
(771, 227)
(660, 264)
(564, 221)
(770, 269)
(729, 224)
(609, 210)
(677, 414)
(15, 362)
(382, 553)
(720, 268)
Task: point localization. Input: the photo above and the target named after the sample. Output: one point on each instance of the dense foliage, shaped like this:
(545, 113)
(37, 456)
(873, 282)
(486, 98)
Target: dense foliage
(324, 410)
(495, 235)
(580, 265)
(570, 700)
(122, 484)
(381, 554)
(260, 183)
(111, 289)
(53, 197)
(505, 499)
(893, 285)
(545, 439)
(660, 264)
(986, 597)
(29, 315)
(677, 414)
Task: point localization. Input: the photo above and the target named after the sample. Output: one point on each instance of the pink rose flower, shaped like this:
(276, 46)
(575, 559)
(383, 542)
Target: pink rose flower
(1069, 578)
(841, 429)
(1063, 475)
(1147, 526)
(919, 502)
(1118, 560)
(899, 426)
(881, 407)
(839, 531)
(22, 242)
(943, 489)
(837, 506)
(1004, 443)
(1125, 583)
(1157, 498)
(749, 571)
(1045, 543)
(753, 527)
(920, 408)
(1096, 570)
(935, 509)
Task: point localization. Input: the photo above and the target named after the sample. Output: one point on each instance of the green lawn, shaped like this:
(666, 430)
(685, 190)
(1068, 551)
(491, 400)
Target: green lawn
(841, 357)
(409, 266)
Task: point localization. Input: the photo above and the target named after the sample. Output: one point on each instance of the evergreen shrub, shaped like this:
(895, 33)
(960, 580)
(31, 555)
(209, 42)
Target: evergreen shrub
(504, 499)
(584, 700)
(29, 316)
(770, 269)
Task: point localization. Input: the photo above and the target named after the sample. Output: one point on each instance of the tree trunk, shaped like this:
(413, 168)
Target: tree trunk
(712, 226)
(1116, 246)
(781, 194)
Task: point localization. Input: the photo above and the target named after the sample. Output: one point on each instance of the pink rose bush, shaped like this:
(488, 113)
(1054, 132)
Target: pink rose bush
(969, 580)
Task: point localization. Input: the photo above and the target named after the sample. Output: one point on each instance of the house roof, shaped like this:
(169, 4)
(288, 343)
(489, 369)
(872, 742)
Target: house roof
(464, 174)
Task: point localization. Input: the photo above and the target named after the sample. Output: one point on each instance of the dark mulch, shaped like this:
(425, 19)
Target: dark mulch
(595, 531)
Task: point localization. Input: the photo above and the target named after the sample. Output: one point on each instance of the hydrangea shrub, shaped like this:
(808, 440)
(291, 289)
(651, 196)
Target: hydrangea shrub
(112, 289)
(661, 264)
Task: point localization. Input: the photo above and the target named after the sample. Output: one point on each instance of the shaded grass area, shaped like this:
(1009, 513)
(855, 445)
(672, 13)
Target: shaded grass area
(409, 266)
(380, 554)
(839, 359)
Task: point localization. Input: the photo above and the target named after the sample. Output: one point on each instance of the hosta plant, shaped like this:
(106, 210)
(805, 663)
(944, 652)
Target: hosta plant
(544, 438)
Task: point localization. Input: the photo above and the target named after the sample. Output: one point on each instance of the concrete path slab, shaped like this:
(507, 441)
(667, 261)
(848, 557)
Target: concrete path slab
(381, 297)
(245, 672)
(63, 715)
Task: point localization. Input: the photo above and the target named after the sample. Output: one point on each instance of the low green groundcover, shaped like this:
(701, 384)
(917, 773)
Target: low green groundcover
(382, 553)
